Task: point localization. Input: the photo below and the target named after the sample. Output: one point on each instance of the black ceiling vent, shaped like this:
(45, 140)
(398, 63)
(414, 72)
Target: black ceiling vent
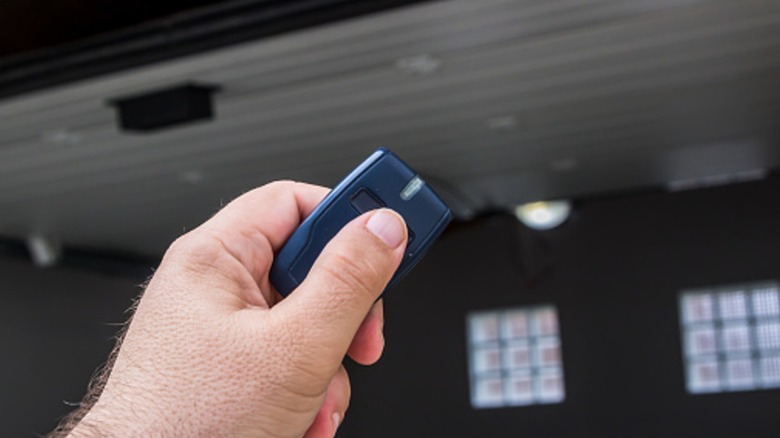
(165, 108)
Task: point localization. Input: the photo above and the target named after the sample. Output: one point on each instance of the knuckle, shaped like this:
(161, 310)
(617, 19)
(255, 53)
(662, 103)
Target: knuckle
(283, 185)
(193, 250)
(178, 246)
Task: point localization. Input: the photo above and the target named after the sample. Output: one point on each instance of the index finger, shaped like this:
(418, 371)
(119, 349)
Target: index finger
(256, 224)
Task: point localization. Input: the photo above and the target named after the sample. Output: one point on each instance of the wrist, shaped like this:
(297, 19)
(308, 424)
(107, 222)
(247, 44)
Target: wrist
(103, 423)
(123, 416)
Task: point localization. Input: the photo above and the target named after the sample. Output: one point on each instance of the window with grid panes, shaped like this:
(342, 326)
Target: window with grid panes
(731, 337)
(515, 357)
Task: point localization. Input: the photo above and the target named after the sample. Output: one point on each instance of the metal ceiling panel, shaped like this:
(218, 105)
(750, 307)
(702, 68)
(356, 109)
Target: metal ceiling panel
(594, 96)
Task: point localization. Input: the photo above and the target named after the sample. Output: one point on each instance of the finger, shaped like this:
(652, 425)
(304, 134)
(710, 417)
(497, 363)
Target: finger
(256, 224)
(281, 205)
(333, 408)
(369, 342)
(344, 282)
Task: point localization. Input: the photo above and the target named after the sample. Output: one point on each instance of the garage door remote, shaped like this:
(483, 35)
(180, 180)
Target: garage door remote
(382, 180)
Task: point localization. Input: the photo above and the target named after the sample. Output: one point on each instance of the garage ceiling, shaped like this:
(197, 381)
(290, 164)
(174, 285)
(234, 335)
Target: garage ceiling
(495, 102)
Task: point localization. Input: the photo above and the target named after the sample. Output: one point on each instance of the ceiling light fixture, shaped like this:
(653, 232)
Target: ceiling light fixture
(564, 164)
(61, 136)
(420, 65)
(45, 252)
(192, 177)
(543, 215)
(502, 123)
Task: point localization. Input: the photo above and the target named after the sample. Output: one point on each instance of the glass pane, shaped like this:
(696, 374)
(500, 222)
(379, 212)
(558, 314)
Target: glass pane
(548, 352)
(551, 386)
(518, 355)
(516, 324)
(703, 377)
(487, 392)
(487, 359)
(733, 305)
(546, 322)
(766, 302)
(484, 328)
(770, 372)
(701, 342)
(768, 336)
(698, 308)
(520, 389)
(739, 374)
(736, 338)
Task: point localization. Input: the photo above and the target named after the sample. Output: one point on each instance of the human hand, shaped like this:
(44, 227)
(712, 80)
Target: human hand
(211, 349)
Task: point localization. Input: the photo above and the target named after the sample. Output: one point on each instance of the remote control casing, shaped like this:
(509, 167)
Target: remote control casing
(382, 180)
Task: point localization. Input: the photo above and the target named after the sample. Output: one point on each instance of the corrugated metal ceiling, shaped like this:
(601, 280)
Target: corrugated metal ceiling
(589, 97)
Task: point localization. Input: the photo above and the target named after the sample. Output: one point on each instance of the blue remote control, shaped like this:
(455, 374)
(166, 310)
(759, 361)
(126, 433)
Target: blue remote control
(382, 180)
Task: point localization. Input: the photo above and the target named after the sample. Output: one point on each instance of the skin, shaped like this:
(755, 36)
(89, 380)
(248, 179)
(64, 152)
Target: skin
(212, 350)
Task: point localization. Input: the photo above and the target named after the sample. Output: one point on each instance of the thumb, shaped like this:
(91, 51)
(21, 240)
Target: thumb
(345, 281)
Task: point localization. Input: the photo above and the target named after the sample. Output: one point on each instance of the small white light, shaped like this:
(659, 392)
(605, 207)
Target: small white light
(543, 215)
(61, 136)
(192, 177)
(502, 123)
(44, 251)
(419, 64)
(412, 188)
(564, 164)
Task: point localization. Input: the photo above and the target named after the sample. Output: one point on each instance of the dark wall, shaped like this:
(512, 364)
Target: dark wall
(56, 328)
(614, 272)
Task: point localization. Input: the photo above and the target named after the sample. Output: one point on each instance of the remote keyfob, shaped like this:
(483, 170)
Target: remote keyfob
(382, 180)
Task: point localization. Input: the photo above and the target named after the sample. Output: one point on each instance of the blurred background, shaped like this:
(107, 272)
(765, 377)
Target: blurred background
(644, 303)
